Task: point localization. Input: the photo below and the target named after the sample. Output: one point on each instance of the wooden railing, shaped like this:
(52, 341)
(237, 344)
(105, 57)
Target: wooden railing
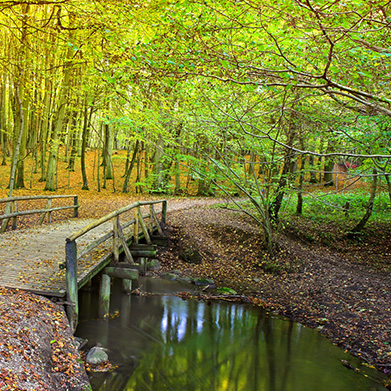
(147, 222)
(12, 206)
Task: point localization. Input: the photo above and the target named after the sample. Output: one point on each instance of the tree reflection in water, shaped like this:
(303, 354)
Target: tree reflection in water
(165, 343)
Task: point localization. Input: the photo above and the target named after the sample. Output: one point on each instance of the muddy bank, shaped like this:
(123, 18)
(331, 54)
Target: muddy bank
(348, 301)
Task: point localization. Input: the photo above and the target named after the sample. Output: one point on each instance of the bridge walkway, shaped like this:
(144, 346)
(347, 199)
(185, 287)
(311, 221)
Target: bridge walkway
(30, 259)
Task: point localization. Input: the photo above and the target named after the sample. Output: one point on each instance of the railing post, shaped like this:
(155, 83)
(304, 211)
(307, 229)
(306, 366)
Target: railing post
(76, 206)
(5, 222)
(49, 212)
(115, 239)
(164, 212)
(72, 308)
(151, 219)
(14, 209)
(135, 225)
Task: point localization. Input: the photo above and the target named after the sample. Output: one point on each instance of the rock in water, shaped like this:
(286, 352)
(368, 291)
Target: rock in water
(96, 356)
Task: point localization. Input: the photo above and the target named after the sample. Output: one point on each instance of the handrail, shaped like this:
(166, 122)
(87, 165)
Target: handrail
(118, 236)
(111, 215)
(38, 197)
(12, 207)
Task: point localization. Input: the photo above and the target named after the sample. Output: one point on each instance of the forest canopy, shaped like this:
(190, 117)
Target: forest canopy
(256, 98)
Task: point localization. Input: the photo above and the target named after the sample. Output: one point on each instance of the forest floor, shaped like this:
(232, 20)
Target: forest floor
(317, 276)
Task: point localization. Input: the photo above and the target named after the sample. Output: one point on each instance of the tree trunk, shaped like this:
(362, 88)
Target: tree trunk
(312, 172)
(14, 158)
(84, 144)
(23, 105)
(387, 176)
(130, 168)
(299, 207)
(328, 168)
(107, 152)
(359, 227)
(74, 140)
(3, 123)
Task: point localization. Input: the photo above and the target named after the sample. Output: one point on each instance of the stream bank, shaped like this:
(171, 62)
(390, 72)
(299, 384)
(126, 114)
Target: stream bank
(322, 287)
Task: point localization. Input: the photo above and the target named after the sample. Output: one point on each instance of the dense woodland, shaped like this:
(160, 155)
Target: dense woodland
(259, 99)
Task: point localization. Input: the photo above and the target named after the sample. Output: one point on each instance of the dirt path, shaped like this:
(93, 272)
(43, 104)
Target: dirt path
(348, 302)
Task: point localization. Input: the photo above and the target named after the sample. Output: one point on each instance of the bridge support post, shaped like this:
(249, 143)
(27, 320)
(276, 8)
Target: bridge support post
(76, 206)
(104, 296)
(164, 212)
(72, 308)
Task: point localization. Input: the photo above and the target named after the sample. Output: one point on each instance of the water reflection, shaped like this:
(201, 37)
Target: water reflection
(165, 343)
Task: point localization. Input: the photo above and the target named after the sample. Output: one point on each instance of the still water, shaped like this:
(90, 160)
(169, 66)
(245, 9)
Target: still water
(164, 343)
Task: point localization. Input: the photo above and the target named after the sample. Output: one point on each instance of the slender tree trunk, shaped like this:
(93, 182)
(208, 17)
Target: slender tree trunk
(299, 207)
(61, 111)
(387, 176)
(52, 162)
(107, 152)
(328, 168)
(130, 168)
(3, 123)
(359, 227)
(74, 137)
(312, 172)
(158, 166)
(282, 183)
(15, 158)
(84, 144)
(24, 96)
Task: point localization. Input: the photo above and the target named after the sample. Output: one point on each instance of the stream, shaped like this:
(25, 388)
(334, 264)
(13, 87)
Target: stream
(162, 342)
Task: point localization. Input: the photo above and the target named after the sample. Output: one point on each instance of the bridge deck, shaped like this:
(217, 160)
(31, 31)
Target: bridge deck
(30, 258)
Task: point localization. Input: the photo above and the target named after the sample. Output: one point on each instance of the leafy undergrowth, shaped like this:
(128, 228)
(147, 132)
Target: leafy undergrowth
(341, 287)
(37, 350)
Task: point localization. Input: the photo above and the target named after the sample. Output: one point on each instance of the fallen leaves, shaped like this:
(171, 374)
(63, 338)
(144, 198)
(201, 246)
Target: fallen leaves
(36, 344)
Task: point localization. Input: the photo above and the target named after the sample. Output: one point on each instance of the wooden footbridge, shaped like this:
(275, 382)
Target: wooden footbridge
(57, 260)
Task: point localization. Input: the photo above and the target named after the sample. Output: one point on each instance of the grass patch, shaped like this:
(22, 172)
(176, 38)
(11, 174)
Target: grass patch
(337, 207)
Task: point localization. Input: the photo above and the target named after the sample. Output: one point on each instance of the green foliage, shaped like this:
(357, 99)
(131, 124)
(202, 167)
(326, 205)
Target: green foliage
(326, 207)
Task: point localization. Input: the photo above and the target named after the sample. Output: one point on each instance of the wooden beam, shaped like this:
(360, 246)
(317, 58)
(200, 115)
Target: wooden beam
(135, 226)
(121, 272)
(143, 253)
(34, 211)
(144, 228)
(155, 219)
(121, 235)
